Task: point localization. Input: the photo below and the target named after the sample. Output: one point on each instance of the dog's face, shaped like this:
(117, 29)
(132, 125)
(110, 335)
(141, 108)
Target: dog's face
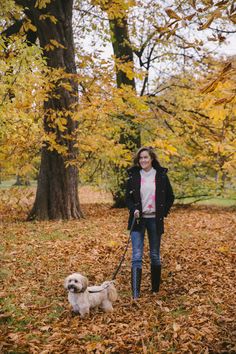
(76, 283)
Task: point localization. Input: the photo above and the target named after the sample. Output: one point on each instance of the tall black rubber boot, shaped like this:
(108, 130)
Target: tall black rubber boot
(136, 276)
(155, 277)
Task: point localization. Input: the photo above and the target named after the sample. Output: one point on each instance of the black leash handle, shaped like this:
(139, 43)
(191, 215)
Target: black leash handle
(126, 248)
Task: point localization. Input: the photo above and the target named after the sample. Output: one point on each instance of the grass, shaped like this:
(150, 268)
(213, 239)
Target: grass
(103, 196)
(180, 311)
(92, 338)
(223, 202)
(219, 202)
(55, 314)
(14, 315)
(10, 184)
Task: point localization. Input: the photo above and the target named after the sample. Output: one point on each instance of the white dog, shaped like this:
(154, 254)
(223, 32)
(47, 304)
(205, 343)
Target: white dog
(82, 298)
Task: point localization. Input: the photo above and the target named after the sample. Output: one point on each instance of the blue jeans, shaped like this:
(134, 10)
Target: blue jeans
(137, 238)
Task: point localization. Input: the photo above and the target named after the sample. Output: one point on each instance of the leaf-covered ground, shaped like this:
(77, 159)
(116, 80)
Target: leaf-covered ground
(193, 313)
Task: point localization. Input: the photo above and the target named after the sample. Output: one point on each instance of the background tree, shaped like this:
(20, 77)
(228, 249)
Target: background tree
(117, 13)
(22, 91)
(57, 191)
(195, 132)
(163, 42)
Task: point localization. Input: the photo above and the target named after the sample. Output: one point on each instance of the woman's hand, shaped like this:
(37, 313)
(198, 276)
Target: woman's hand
(136, 214)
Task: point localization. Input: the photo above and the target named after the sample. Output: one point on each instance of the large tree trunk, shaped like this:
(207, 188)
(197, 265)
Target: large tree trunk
(124, 53)
(57, 191)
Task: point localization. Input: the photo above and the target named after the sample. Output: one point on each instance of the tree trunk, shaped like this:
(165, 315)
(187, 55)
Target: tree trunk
(22, 181)
(57, 191)
(123, 51)
(122, 48)
(18, 181)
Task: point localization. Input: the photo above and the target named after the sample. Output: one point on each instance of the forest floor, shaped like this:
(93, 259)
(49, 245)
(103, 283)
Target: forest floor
(194, 312)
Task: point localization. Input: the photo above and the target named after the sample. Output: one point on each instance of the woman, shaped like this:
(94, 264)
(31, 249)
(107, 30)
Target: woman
(149, 197)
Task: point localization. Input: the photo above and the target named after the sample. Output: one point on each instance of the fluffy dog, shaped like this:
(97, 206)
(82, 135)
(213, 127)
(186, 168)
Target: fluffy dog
(82, 298)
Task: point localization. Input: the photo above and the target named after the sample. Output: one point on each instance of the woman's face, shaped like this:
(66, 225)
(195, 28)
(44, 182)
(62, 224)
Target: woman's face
(145, 161)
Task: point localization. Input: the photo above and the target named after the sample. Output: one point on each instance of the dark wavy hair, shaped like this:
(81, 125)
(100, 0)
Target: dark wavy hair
(151, 153)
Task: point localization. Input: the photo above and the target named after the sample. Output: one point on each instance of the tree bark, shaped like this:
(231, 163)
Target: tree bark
(122, 48)
(57, 190)
(123, 52)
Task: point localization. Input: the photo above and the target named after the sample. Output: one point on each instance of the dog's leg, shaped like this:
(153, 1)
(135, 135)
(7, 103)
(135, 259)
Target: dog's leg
(73, 300)
(75, 309)
(84, 311)
(107, 306)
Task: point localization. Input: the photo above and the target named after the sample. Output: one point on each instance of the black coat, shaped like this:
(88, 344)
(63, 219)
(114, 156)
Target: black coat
(164, 195)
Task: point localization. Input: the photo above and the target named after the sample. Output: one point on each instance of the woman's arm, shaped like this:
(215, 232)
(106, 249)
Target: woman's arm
(169, 196)
(129, 198)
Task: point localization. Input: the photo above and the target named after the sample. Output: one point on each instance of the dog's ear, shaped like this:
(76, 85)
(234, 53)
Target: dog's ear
(84, 282)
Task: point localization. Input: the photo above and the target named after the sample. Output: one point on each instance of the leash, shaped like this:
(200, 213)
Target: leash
(126, 248)
(121, 261)
(98, 291)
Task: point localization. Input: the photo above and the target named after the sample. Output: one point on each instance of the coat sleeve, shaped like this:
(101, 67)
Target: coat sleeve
(129, 198)
(169, 196)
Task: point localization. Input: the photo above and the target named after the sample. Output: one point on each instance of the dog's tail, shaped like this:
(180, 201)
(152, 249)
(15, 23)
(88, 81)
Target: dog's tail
(111, 290)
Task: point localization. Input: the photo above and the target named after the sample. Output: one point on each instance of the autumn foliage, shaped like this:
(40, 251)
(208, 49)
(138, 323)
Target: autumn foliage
(181, 103)
(193, 313)
(87, 112)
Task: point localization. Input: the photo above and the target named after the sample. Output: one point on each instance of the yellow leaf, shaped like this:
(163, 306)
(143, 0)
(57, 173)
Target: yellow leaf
(215, 15)
(56, 43)
(226, 68)
(193, 3)
(172, 14)
(210, 87)
(233, 18)
(221, 3)
(42, 3)
(162, 29)
(224, 100)
(48, 47)
(52, 18)
(113, 243)
(190, 17)
(32, 27)
(27, 25)
(223, 249)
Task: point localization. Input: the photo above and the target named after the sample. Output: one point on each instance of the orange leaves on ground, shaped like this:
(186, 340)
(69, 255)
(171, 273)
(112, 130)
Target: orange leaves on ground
(192, 313)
